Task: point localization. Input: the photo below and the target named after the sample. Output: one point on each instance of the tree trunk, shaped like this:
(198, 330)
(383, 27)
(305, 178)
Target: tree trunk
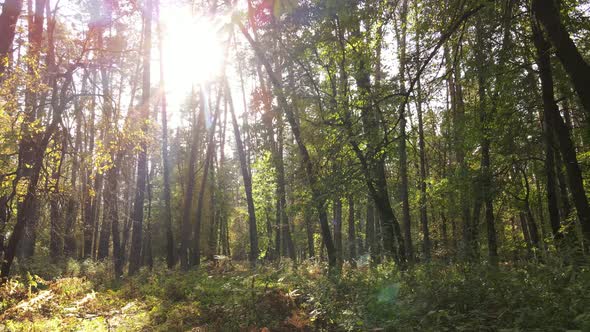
(147, 257)
(568, 54)
(370, 242)
(284, 227)
(337, 224)
(170, 260)
(55, 203)
(32, 113)
(137, 213)
(86, 186)
(10, 13)
(470, 244)
(403, 155)
(317, 196)
(565, 207)
(561, 132)
(112, 211)
(486, 174)
(109, 125)
(196, 255)
(422, 154)
(309, 232)
(190, 188)
(351, 232)
(27, 210)
(373, 165)
(247, 180)
(72, 204)
(212, 236)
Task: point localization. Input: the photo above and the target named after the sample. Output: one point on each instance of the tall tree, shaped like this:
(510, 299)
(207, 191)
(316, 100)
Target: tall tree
(165, 158)
(190, 184)
(547, 12)
(142, 166)
(210, 151)
(246, 176)
(11, 10)
(561, 132)
(317, 196)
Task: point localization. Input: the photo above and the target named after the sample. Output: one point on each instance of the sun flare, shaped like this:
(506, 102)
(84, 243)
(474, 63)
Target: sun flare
(193, 52)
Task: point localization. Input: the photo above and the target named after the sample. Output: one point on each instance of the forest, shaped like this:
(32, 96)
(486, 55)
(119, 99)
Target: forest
(294, 165)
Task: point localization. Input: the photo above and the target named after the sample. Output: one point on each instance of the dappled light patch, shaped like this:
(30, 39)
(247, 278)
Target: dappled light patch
(69, 304)
(426, 297)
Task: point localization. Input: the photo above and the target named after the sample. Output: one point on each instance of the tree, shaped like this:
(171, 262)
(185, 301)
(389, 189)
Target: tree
(547, 12)
(143, 116)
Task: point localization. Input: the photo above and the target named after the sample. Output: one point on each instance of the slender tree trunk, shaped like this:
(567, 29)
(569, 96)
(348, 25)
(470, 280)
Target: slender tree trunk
(284, 227)
(72, 204)
(565, 207)
(403, 155)
(568, 54)
(109, 125)
(170, 260)
(112, 201)
(351, 232)
(561, 132)
(247, 180)
(190, 188)
(309, 233)
(370, 228)
(486, 173)
(470, 244)
(317, 196)
(379, 242)
(32, 113)
(89, 192)
(137, 213)
(196, 255)
(373, 166)
(147, 257)
(27, 210)
(422, 155)
(4, 217)
(212, 236)
(337, 224)
(10, 13)
(55, 203)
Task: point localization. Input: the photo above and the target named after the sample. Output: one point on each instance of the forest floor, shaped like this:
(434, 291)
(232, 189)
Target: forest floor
(281, 298)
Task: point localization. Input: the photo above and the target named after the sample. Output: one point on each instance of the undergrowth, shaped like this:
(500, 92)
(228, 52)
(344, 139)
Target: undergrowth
(432, 297)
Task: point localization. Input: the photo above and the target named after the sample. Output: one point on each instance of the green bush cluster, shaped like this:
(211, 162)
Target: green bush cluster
(426, 297)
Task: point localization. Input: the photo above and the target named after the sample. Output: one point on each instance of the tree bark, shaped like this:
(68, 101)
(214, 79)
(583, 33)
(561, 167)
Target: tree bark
(309, 233)
(109, 125)
(403, 154)
(170, 260)
(370, 242)
(373, 165)
(72, 204)
(351, 232)
(55, 203)
(254, 251)
(10, 13)
(486, 174)
(190, 188)
(337, 224)
(568, 54)
(137, 213)
(196, 254)
(561, 132)
(27, 211)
